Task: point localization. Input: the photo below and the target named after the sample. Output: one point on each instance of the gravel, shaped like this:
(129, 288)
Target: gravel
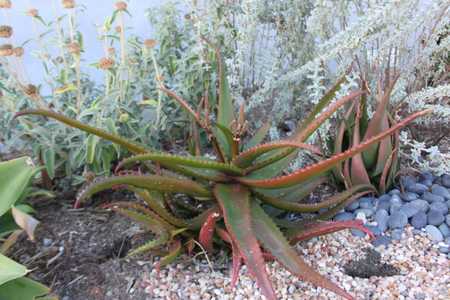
(423, 273)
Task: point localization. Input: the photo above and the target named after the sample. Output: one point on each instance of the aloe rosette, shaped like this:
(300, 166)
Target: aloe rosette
(223, 202)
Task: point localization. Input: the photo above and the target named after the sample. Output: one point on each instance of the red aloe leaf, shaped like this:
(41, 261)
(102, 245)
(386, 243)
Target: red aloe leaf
(385, 173)
(205, 236)
(312, 207)
(384, 151)
(246, 158)
(273, 241)
(358, 169)
(305, 133)
(235, 203)
(236, 256)
(315, 229)
(338, 142)
(325, 165)
(95, 131)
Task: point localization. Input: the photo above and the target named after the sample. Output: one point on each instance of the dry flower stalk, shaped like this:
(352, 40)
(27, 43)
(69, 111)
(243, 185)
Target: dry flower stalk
(121, 5)
(6, 31)
(69, 4)
(74, 48)
(6, 50)
(33, 12)
(106, 63)
(150, 43)
(5, 4)
(18, 51)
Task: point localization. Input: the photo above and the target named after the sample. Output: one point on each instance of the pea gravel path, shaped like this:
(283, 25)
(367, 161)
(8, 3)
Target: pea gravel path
(424, 273)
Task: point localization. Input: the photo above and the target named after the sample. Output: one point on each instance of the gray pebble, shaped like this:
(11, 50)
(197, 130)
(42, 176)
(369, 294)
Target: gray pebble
(444, 249)
(417, 188)
(447, 240)
(366, 202)
(439, 206)
(384, 202)
(447, 220)
(448, 204)
(432, 197)
(394, 208)
(381, 217)
(440, 191)
(422, 205)
(445, 230)
(434, 233)
(366, 211)
(427, 176)
(397, 220)
(394, 192)
(445, 179)
(352, 206)
(357, 233)
(375, 229)
(408, 196)
(345, 216)
(396, 234)
(427, 182)
(435, 217)
(47, 242)
(395, 199)
(381, 240)
(408, 180)
(419, 220)
(409, 209)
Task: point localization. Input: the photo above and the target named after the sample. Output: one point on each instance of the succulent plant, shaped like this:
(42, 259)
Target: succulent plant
(224, 201)
(378, 165)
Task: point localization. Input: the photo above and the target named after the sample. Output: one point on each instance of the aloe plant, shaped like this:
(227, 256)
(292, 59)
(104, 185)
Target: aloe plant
(378, 164)
(222, 201)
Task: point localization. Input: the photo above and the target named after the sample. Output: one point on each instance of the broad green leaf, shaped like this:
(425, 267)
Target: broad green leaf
(49, 157)
(235, 203)
(258, 137)
(24, 289)
(15, 177)
(10, 270)
(225, 110)
(91, 145)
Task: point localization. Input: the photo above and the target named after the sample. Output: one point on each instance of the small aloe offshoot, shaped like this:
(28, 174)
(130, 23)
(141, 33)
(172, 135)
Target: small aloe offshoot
(378, 165)
(223, 202)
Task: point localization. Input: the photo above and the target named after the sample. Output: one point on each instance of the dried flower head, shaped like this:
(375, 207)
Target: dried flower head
(31, 90)
(74, 48)
(111, 51)
(106, 63)
(18, 51)
(121, 5)
(68, 4)
(6, 50)
(5, 4)
(150, 43)
(118, 29)
(33, 12)
(6, 31)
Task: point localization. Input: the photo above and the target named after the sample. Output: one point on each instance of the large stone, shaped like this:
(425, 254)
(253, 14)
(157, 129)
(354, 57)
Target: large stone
(447, 220)
(435, 217)
(397, 234)
(432, 197)
(439, 206)
(427, 176)
(445, 230)
(397, 220)
(395, 199)
(381, 217)
(434, 233)
(445, 179)
(344, 216)
(366, 211)
(375, 229)
(366, 202)
(409, 209)
(408, 196)
(422, 205)
(394, 208)
(384, 202)
(352, 206)
(419, 220)
(417, 188)
(440, 191)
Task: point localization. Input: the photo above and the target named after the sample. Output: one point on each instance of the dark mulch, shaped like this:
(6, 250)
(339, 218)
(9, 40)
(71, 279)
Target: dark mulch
(369, 266)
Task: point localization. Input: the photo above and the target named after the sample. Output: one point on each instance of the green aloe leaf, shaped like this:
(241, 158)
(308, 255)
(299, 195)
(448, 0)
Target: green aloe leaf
(225, 110)
(149, 182)
(235, 203)
(134, 148)
(273, 241)
(259, 136)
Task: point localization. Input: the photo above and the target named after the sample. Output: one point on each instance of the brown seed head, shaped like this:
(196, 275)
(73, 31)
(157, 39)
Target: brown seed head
(6, 31)
(6, 50)
(121, 5)
(118, 29)
(18, 51)
(5, 4)
(33, 12)
(150, 43)
(74, 48)
(111, 51)
(106, 63)
(68, 4)
(31, 90)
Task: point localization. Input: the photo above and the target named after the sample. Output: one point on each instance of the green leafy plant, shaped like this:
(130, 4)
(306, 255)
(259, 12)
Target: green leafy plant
(224, 200)
(378, 165)
(14, 218)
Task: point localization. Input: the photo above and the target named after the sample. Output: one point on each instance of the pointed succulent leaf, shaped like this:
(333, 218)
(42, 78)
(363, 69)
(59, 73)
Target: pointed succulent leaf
(225, 110)
(143, 216)
(134, 148)
(205, 236)
(312, 207)
(325, 165)
(246, 158)
(174, 252)
(358, 170)
(149, 182)
(150, 245)
(171, 159)
(235, 203)
(273, 240)
(259, 136)
(236, 256)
